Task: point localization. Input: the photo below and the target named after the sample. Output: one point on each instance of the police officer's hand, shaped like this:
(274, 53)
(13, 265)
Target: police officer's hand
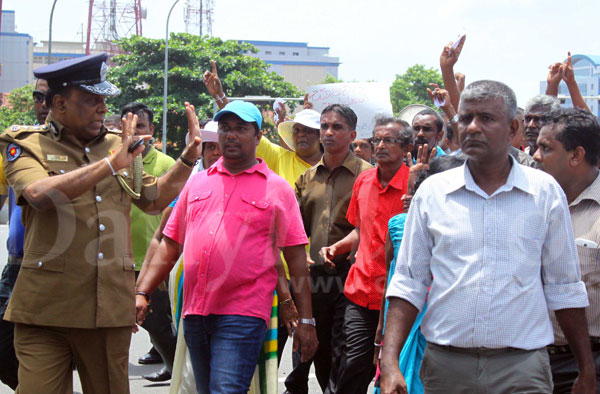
(193, 149)
(305, 338)
(123, 158)
(141, 308)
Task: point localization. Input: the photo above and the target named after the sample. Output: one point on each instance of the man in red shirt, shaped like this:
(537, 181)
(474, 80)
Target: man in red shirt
(376, 197)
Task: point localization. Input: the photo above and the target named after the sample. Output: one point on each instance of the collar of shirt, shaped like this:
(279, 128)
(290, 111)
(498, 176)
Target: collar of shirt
(150, 156)
(350, 162)
(516, 178)
(591, 193)
(57, 129)
(259, 167)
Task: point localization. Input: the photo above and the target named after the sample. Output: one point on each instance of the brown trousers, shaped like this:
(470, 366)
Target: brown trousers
(46, 355)
(488, 371)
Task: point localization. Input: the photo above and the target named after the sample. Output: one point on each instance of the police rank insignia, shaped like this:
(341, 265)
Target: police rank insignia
(13, 151)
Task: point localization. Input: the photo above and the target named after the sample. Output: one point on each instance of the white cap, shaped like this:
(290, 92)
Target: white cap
(308, 117)
(209, 133)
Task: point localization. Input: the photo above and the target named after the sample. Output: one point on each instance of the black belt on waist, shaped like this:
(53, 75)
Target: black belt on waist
(564, 349)
(476, 350)
(14, 260)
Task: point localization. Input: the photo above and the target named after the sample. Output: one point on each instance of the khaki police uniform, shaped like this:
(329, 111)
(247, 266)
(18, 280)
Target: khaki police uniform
(74, 296)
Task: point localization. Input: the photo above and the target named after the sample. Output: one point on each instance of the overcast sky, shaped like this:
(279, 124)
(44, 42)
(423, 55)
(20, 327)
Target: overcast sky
(507, 40)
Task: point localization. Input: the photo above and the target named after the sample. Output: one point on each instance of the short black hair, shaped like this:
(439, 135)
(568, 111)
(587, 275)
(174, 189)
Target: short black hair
(136, 109)
(439, 122)
(346, 112)
(64, 91)
(576, 127)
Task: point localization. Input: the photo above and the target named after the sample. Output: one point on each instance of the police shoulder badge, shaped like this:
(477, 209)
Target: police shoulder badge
(13, 151)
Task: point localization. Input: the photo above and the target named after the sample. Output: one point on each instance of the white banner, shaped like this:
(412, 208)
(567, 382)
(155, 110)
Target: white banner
(367, 99)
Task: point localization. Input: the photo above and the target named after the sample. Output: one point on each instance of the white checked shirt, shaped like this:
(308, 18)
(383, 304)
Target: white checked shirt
(494, 272)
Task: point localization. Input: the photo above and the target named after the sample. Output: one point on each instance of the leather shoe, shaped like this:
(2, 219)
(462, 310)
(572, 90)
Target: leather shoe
(152, 357)
(160, 376)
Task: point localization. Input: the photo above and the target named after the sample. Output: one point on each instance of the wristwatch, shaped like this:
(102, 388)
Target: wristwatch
(310, 321)
(454, 120)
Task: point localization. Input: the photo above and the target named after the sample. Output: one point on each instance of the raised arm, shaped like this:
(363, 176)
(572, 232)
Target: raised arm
(213, 85)
(50, 192)
(568, 75)
(448, 59)
(555, 75)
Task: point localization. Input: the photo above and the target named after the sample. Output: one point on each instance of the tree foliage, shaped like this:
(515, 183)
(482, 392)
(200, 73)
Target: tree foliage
(330, 79)
(19, 109)
(411, 87)
(139, 75)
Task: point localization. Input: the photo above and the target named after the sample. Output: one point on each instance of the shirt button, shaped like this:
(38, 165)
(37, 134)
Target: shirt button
(39, 264)
(87, 150)
(220, 212)
(226, 195)
(202, 275)
(102, 227)
(62, 171)
(125, 173)
(100, 256)
(133, 266)
(253, 202)
(98, 199)
(212, 232)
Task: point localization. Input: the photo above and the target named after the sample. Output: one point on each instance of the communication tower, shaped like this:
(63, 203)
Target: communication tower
(198, 15)
(110, 20)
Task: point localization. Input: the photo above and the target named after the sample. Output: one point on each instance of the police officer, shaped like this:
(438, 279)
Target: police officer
(74, 297)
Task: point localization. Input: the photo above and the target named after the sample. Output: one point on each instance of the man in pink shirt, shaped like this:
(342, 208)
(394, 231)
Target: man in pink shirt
(233, 219)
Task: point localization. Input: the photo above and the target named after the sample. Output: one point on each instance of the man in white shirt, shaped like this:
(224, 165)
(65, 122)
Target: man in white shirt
(492, 275)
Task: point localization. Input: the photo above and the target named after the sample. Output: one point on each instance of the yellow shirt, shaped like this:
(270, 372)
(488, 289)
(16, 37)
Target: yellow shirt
(283, 162)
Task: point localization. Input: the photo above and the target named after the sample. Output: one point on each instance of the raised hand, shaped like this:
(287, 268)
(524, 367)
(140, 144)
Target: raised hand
(460, 81)
(123, 158)
(568, 75)
(193, 149)
(307, 104)
(450, 55)
(441, 95)
(422, 165)
(212, 82)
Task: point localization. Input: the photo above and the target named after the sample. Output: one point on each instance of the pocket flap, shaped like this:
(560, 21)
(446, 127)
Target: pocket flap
(261, 204)
(44, 262)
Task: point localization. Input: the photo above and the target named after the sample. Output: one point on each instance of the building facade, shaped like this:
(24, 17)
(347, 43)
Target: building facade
(587, 75)
(16, 55)
(296, 62)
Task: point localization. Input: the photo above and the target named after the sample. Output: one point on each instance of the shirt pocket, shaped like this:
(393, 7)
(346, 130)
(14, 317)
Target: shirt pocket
(255, 212)
(528, 241)
(59, 167)
(198, 204)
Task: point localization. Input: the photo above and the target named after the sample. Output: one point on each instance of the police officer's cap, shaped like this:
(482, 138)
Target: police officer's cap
(87, 73)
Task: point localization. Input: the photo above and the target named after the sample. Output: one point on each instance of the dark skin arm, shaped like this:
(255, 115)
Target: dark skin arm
(287, 310)
(155, 241)
(389, 256)
(574, 325)
(401, 316)
(344, 245)
(305, 336)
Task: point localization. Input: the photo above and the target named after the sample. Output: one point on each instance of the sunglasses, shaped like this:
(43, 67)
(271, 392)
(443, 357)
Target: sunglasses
(38, 96)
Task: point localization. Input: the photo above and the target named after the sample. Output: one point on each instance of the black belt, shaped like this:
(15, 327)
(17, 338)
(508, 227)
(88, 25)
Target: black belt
(476, 350)
(14, 260)
(565, 349)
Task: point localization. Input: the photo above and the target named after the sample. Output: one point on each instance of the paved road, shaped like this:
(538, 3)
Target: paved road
(140, 344)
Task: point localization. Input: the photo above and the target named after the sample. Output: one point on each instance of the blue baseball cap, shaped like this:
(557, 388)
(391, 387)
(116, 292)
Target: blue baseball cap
(244, 110)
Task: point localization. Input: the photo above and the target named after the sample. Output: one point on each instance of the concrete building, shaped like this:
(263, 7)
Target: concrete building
(298, 63)
(587, 75)
(16, 55)
(61, 50)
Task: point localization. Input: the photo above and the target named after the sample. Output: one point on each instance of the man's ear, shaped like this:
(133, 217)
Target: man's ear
(353, 135)
(59, 103)
(151, 129)
(514, 128)
(577, 156)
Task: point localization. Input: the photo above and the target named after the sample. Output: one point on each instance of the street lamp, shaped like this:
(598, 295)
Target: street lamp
(164, 127)
(50, 33)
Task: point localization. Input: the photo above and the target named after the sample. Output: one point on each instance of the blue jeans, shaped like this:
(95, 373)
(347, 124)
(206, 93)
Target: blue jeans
(224, 351)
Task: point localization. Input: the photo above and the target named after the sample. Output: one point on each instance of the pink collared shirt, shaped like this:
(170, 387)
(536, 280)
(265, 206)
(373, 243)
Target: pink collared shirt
(232, 227)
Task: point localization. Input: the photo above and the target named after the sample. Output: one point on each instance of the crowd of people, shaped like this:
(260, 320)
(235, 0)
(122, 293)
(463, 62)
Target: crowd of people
(450, 252)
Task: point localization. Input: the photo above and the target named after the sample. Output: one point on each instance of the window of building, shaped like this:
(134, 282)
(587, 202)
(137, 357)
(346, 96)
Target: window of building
(281, 53)
(295, 54)
(267, 52)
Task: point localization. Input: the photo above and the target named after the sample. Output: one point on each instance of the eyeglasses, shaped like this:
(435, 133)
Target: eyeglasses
(386, 141)
(38, 96)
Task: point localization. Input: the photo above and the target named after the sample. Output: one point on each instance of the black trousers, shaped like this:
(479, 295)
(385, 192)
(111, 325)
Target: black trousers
(159, 325)
(564, 370)
(9, 365)
(356, 366)
(328, 305)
